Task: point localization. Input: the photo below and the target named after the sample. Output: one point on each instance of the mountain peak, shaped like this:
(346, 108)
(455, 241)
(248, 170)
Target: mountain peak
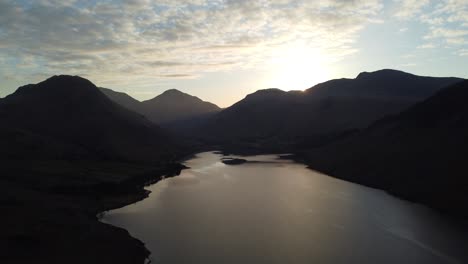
(72, 109)
(173, 92)
(383, 73)
(67, 82)
(59, 85)
(173, 105)
(173, 96)
(67, 78)
(269, 92)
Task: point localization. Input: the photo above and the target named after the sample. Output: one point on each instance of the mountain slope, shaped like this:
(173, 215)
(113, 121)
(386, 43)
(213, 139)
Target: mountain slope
(173, 105)
(328, 108)
(123, 99)
(386, 84)
(70, 110)
(419, 154)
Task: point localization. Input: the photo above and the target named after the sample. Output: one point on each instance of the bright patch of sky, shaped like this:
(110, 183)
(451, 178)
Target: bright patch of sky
(221, 50)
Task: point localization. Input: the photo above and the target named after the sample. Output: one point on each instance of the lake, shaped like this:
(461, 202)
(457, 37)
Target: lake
(272, 210)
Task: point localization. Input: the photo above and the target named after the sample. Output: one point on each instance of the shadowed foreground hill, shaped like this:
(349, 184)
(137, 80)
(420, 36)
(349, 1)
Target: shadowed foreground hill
(420, 154)
(67, 153)
(72, 115)
(325, 109)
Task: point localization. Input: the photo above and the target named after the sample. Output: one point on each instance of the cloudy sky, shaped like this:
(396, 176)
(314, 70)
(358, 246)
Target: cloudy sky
(220, 50)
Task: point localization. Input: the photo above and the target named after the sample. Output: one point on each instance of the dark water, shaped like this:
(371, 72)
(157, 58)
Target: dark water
(277, 211)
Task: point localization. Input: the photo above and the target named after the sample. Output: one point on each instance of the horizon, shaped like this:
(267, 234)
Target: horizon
(221, 51)
(243, 97)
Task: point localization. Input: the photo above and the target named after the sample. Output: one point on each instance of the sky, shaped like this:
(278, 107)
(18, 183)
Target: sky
(222, 50)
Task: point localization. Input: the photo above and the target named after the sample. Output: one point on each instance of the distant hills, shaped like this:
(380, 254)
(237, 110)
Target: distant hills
(419, 154)
(69, 117)
(171, 106)
(80, 118)
(329, 108)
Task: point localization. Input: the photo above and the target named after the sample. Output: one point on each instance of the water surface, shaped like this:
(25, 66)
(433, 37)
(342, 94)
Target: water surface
(278, 211)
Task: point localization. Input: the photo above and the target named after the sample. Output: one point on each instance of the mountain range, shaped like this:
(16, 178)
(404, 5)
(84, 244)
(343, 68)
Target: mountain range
(329, 108)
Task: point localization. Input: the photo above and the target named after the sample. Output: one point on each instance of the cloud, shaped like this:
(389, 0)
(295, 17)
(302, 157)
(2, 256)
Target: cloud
(147, 39)
(407, 9)
(409, 64)
(184, 76)
(463, 52)
(426, 46)
(446, 20)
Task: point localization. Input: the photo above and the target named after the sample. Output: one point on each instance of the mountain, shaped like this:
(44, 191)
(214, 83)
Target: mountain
(419, 154)
(326, 109)
(67, 154)
(385, 84)
(71, 115)
(174, 105)
(123, 99)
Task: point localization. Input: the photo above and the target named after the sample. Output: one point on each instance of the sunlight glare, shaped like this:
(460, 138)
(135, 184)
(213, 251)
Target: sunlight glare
(298, 67)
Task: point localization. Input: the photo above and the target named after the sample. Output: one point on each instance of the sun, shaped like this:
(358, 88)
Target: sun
(298, 67)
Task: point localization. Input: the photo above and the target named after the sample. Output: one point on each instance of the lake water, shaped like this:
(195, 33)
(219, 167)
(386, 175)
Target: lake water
(278, 211)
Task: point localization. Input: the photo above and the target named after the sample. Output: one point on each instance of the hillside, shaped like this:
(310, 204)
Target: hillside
(171, 108)
(71, 111)
(385, 84)
(123, 99)
(67, 153)
(326, 109)
(419, 154)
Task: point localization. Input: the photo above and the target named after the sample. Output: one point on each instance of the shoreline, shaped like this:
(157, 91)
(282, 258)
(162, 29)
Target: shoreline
(296, 157)
(141, 194)
(50, 219)
(300, 157)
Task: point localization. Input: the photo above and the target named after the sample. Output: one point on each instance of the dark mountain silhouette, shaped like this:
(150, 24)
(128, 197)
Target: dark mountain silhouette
(326, 109)
(67, 153)
(384, 84)
(419, 154)
(123, 99)
(173, 105)
(71, 111)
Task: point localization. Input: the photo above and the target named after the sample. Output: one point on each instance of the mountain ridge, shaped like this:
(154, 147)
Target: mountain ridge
(170, 106)
(331, 107)
(380, 84)
(72, 109)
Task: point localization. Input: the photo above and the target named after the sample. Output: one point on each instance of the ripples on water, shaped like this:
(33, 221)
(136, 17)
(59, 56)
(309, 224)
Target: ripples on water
(278, 211)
